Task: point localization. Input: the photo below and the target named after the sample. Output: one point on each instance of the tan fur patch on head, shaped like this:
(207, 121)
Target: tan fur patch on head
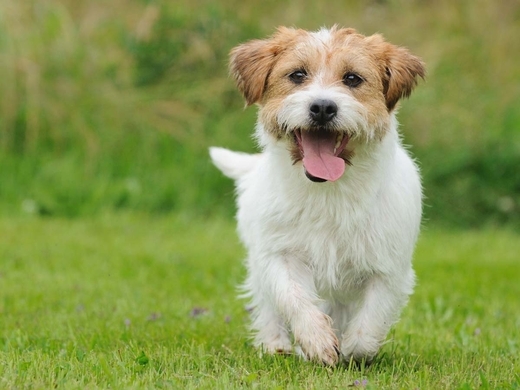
(264, 69)
(252, 62)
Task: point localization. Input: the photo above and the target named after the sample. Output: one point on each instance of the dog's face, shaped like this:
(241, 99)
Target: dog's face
(323, 92)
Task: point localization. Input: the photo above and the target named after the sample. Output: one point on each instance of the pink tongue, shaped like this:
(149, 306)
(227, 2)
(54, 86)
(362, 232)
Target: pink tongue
(318, 155)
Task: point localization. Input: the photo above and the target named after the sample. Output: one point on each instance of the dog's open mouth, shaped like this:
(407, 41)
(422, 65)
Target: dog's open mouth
(321, 149)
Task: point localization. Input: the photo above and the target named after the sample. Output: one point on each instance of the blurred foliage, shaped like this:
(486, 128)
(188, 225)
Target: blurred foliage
(109, 105)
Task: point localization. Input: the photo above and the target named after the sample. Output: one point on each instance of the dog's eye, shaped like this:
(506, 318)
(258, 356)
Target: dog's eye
(298, 76)
(352, 80)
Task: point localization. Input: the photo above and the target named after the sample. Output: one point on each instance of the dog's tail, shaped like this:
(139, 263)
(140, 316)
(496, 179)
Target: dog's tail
(233, 164)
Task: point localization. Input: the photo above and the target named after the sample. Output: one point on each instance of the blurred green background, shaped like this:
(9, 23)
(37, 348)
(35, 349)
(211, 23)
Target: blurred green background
(111, 105)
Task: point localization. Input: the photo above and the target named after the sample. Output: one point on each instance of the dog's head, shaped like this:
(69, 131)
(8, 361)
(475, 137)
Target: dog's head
(319, 91)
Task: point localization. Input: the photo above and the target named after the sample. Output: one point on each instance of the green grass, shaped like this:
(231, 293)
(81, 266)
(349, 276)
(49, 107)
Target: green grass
(134, 301)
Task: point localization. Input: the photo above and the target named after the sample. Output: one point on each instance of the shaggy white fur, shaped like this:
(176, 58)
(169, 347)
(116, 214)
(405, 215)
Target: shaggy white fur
(329, 262)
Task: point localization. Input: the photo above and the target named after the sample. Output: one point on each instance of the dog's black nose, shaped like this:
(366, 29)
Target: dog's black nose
(323, 111)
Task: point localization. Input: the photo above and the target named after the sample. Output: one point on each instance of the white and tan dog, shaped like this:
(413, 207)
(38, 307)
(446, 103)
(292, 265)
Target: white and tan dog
(330, 210)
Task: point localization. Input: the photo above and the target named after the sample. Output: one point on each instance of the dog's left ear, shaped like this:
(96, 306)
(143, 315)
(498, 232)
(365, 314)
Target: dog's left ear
(401, 72)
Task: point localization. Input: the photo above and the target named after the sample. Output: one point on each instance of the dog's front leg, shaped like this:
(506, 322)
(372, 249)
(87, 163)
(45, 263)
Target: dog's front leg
(378, 310)
(283, 291)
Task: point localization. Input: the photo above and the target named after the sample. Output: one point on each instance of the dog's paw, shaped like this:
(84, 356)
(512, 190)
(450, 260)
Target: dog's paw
(359, 347)
(323, 350)
(318, 341)
(273, 340)
(280, 346)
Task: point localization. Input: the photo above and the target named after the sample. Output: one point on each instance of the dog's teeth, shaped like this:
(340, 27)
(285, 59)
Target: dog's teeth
(338, 142)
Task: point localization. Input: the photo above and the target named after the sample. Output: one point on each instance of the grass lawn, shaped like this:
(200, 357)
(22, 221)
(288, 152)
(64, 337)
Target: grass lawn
(133, 301)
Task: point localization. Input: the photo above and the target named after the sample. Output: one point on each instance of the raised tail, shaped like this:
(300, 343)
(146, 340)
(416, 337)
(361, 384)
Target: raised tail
(233, 164)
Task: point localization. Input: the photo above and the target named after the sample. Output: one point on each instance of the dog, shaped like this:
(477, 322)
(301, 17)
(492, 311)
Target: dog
(330, 210)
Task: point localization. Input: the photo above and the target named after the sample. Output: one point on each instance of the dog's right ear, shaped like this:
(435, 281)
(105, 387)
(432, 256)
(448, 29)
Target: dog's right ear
(251, 62)
(250, 65)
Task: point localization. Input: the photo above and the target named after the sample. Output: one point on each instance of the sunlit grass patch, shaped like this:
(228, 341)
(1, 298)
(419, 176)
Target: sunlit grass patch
(139, 301)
